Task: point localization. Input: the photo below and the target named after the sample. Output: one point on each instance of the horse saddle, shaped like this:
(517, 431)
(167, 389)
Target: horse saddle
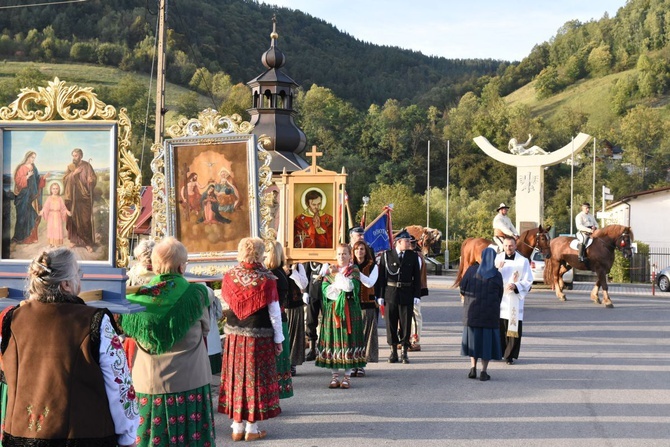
(575, 244)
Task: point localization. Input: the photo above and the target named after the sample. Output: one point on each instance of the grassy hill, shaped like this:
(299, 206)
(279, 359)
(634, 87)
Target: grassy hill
(589, 96)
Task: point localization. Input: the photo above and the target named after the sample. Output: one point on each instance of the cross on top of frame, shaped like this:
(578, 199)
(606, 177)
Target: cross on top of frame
(314, 154)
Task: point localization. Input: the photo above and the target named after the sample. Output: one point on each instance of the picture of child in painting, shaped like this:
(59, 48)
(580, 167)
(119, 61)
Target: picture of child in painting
(54, 213)
(209, 199)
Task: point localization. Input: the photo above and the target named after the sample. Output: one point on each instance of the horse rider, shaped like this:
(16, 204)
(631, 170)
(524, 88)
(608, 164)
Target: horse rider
(586, 224)
(502, 226)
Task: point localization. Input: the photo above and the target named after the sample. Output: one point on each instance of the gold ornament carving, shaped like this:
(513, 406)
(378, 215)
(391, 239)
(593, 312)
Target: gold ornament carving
(71, 103)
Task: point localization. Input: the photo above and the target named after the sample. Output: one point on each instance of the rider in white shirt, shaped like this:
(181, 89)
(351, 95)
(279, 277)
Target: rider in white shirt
(586, 224)
(502, 226)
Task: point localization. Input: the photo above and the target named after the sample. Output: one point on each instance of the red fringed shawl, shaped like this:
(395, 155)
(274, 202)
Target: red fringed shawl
(247, 288)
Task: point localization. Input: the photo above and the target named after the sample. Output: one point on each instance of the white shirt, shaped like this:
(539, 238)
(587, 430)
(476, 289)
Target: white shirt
(584, 221)
(504, 224)
(523, 282)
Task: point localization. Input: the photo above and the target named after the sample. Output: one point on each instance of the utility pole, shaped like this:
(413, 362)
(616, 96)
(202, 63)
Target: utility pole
(446, 226)
(160, 73)
(428, 189)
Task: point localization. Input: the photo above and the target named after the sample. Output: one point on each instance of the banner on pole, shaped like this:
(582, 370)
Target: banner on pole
(378, 234)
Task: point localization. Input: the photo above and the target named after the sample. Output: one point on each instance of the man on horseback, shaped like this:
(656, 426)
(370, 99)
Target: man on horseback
(586, 224)
(502, 226)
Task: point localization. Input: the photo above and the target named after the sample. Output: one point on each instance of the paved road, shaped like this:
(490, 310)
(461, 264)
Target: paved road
(587, 376)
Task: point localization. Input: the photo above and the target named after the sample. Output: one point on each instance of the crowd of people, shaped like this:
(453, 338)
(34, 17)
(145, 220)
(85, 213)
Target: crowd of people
(147, 375)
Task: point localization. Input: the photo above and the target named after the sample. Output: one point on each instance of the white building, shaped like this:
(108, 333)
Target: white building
(648, 214)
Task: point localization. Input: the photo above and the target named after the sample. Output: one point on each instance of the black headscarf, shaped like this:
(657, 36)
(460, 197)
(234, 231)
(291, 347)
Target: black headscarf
(487, 268)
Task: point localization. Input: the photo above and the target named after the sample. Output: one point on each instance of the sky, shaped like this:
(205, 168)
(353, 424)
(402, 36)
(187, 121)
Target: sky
(455, 29)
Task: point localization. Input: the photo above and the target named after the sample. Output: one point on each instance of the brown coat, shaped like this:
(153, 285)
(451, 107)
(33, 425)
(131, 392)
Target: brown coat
(55, 388)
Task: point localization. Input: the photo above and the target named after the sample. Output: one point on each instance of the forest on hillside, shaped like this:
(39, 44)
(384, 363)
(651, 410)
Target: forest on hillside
(382, 140)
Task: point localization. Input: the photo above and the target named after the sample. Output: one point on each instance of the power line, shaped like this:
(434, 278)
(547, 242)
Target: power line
(42, 4)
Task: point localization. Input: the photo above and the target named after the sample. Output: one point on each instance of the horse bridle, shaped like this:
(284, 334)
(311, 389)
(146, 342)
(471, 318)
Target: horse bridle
(537, 239)
(619, 242)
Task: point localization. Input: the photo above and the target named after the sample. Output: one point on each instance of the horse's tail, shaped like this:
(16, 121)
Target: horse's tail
(461, 267)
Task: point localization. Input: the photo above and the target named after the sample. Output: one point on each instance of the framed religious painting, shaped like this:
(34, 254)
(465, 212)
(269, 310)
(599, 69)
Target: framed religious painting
(312, 227)
(212, 187)
(58, 189)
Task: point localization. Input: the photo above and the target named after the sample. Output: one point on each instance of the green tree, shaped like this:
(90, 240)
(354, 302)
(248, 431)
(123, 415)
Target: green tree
(600, 60)
(404, 201)
(546, 83)
(642, 133)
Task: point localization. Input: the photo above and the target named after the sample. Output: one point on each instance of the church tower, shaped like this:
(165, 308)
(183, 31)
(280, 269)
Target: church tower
(272, 111)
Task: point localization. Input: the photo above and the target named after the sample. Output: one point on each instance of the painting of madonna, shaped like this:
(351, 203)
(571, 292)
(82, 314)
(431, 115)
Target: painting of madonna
(28, 185)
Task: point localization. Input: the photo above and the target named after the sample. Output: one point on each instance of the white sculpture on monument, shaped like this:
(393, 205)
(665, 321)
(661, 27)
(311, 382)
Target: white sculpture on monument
(530, 164)
(520, 148)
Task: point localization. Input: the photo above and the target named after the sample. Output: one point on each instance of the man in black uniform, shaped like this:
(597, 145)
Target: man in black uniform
(314, 272)
(400, 289)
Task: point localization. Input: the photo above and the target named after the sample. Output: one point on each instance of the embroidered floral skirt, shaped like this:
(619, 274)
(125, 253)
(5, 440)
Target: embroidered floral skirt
(284, 366)
(249, 389)
(341, 341)
(176, 419)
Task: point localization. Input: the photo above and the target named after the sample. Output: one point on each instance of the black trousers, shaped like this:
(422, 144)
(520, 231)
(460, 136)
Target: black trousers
(510, 346)
(398, 323)
(312, 317)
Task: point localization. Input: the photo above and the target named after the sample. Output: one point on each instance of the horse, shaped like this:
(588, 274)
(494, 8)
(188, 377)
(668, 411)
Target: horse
(471, 249)
(427, 239)
(600, 257)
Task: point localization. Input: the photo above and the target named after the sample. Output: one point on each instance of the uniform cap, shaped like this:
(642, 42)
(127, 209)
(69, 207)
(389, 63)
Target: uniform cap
(402, 235)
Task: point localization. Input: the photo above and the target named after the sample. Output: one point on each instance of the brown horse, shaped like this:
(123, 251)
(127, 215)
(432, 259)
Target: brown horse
(428, 239)
(600, 256)
(471, 249)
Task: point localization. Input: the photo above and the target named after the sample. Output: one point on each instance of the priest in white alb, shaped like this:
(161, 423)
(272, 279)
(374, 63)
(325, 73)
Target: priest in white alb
(517, 281)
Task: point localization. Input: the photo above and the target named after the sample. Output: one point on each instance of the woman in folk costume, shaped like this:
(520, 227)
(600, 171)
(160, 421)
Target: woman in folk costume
(341, 342)
(170, 366)
(275, 261)
(62, 358)
(369, 273)
(482, 289)
(249, 389)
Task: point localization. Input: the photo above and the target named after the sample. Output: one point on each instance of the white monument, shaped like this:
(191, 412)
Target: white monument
(530, 164)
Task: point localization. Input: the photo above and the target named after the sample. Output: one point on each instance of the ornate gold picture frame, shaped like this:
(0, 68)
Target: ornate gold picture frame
(208, 180)
(88, 182)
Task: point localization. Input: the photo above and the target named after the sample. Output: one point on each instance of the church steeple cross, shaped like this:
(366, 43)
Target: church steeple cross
(314, 154)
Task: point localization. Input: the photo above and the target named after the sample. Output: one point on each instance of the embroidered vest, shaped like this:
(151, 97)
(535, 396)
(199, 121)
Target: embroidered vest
(64, 398)
(367, 294)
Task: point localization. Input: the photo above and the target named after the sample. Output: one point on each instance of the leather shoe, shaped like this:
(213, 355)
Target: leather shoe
(473, 373)
(255, 436)
(310, 356)
(510, 361)
(237, 436)
(415, 347)
(393, 358)
(484, 376)
(404, 357)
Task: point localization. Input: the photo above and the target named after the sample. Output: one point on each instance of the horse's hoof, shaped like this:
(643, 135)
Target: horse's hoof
(562, 298)
(609, 306)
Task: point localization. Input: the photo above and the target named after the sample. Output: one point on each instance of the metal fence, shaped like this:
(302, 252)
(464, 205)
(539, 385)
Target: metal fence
(641, 264)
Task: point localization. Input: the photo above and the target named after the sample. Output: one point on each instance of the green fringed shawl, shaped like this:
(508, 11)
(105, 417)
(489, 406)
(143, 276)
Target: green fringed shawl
(352, 273)
(172, 306)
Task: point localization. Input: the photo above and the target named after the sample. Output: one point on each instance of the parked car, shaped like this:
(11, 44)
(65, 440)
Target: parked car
(663, 279)
(537, 265)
